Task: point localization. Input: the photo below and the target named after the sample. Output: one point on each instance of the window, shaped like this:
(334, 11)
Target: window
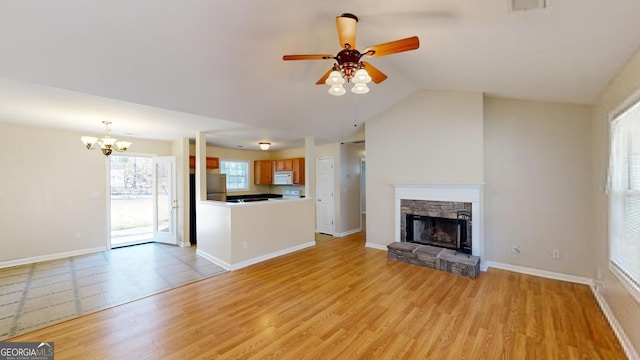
(624, 198)
(237, 174)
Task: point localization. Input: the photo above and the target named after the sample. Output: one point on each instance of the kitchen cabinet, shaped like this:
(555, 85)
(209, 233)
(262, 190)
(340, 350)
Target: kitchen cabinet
(297, 166)
(284, 165)
(211, 162)
(263, 172)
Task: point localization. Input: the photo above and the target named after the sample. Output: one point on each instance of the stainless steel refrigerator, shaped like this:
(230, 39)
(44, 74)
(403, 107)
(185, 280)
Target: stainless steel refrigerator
(217, 187)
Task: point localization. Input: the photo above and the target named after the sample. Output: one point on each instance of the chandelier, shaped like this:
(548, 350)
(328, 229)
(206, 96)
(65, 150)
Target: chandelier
(107, 144)
(348, 69)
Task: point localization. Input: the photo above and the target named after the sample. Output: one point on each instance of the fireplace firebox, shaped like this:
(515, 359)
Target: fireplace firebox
(452, 232)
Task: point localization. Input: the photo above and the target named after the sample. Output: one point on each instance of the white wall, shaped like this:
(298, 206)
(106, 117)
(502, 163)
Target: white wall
(45, 192)
(275, 226)
(538, 185)
(238, 235)
(624, 307)
(417, 141)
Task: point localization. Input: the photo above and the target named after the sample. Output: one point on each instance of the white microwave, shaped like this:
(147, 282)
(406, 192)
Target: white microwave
(283, 178)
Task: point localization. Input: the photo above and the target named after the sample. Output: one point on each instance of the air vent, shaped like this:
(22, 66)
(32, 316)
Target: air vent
(526, 5)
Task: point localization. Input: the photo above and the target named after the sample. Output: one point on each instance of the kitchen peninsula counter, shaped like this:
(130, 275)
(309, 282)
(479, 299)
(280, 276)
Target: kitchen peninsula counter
(236, 235)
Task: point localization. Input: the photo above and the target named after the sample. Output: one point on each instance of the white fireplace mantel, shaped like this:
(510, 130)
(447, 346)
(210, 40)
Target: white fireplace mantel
(457, 192)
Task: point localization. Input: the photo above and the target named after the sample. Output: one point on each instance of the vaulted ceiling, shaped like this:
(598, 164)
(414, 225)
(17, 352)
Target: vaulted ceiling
(166, 69)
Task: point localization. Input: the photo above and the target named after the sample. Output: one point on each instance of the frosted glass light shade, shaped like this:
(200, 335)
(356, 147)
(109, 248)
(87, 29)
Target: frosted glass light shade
(360, 89)
(337, 90)
(361, 77)
(123, 145)
(88, 141)
(107, 141)
(264, 145)
(335, 78)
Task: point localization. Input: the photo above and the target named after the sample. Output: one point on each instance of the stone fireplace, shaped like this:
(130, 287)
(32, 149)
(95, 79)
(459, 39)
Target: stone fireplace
(443, 215)
(439, 226)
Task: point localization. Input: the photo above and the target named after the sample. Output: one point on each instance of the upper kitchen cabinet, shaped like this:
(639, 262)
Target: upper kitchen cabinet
(297, 166)
(284, 165)
(211, 162)
(263, 172)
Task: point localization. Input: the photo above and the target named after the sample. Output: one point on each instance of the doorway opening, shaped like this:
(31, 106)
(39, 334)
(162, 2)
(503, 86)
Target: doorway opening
(131, 195)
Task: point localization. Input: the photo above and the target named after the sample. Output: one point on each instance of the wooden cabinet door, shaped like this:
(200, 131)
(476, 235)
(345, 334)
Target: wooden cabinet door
(284, 165)
(288, 164)
(262, 172)
(211, 162)
(297, 166)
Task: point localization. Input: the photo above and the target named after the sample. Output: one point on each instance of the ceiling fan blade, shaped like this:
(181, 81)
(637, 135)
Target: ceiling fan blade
(346, 24)
(308, 57)
(376, 75)
(324, 77)
(410, 43)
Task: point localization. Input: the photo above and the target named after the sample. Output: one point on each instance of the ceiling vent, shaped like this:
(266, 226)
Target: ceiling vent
(526, 5)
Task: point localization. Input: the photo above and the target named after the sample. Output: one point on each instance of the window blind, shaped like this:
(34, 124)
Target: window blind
(624, 195)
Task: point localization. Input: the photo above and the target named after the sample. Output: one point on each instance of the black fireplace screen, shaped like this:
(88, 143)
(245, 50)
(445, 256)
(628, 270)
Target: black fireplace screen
(442, 232)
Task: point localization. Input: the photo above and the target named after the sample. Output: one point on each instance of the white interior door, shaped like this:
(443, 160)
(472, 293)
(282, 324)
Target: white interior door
(324, 193)
(164, 200)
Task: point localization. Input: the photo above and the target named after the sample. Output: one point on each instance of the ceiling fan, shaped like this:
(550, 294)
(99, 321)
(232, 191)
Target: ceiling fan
(348, 66)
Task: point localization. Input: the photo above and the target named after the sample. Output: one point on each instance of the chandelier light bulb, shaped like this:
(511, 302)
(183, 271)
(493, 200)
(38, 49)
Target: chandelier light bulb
(337, 90)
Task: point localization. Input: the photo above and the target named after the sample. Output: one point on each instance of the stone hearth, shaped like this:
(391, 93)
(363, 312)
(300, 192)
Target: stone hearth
(435, 258)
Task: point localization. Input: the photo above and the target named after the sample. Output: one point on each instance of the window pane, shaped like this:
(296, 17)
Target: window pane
(237, 172)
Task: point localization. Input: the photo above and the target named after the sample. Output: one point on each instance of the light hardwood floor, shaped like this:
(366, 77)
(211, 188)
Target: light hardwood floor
(340, 300)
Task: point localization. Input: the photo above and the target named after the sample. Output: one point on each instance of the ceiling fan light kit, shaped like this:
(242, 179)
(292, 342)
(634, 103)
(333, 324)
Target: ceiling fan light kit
(348, 66)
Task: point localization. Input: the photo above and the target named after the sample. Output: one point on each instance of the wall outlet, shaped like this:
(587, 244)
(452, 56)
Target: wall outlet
(555, 254)
(95, 195)
(245, 244)
(515, 249)
(373, 229)
(78, 236)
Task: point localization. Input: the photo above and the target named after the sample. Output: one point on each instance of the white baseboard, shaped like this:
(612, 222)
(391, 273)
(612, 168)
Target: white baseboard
(31, 260)
(243, 264)
(375, 246)
(184, 244)
(348, 232)
(615, 325)
(213, 259)
(541, 273)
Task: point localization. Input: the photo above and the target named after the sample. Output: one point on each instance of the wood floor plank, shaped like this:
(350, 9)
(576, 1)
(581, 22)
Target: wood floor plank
(340, 299)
